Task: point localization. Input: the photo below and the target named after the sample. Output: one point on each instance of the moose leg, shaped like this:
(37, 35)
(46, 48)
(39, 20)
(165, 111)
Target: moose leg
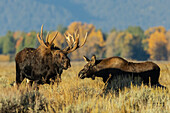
(35, 85)
(19, 78)
(59, 78)
(155, 78)
(50, 79)
(107, 85)
(18, 81)
(53, 80)
(150, 78)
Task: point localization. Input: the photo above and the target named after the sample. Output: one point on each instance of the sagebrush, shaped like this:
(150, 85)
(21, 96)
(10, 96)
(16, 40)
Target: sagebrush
(76, 95)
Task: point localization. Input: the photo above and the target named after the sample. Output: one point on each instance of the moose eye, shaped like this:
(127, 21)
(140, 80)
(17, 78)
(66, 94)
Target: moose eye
(86, 67)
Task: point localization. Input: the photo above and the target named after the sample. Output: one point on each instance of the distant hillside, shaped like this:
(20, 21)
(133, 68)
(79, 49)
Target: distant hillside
(27, 15)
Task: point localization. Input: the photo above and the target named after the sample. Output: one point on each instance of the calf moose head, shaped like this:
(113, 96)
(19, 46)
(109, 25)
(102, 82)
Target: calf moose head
(89, 69)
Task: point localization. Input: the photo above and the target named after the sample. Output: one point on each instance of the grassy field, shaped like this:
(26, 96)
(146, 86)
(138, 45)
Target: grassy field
(74, 95)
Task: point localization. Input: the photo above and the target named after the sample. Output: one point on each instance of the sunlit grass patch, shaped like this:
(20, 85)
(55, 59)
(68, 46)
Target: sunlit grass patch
(83, 95)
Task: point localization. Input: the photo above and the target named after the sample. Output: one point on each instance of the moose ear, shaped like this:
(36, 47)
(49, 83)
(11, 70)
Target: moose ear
(93, 59)
(86, 59)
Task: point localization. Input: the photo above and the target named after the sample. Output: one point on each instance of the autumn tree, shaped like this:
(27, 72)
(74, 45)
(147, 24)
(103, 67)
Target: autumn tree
(95, 41)
(137, 45)
(61, 29)
(126, 44)
(156, 43)
(1, 44)
(19, 44)
(149, 32)
(18, 34)
(122, 45)
(167, 35)
(30, 39)
(26, 40)
(110, 44)
(60, 40)
(136, 31)
(157, 46)
(8, 44)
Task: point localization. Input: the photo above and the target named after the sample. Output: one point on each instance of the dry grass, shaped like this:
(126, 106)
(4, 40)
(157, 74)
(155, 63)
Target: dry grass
(76, 95)
(4, 58)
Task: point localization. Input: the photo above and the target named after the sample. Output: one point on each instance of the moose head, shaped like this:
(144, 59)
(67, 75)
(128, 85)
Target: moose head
(60, 55)
(89, 69)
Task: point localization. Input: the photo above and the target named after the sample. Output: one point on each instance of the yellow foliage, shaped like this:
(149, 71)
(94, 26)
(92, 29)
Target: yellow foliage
(156, 41)
(167, 35)
(94, 35)
(59, 41)
(155, 38)
(123, 43)
(95, 39)
(154, 29)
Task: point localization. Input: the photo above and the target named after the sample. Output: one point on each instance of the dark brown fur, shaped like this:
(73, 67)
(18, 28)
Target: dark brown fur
(117, 66)
(40, 65)
(46, 63)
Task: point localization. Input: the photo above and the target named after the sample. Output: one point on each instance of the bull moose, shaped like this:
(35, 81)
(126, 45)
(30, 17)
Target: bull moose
(108, 68)
(47, 62)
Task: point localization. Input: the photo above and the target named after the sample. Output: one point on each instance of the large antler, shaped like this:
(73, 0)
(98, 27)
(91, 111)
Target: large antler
(73, 43)
(40, 39)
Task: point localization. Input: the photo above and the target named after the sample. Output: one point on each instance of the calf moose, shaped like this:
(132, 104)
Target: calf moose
(117, 66)
(47, 62)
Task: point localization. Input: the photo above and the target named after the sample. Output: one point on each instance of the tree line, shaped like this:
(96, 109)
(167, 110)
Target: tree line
(132, 43)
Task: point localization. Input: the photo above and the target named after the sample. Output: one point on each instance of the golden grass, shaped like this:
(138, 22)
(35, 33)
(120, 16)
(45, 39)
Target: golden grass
(4, 58)
(82, 96)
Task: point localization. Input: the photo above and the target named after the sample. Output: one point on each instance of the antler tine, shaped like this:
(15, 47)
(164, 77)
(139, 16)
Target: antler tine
(38, 37)
(72, 38)
(41, 37)
(85, 39)
(47, 37)
(41, 32)
(76, 33)
(76, 44)
(40, 40)
(53, 38)
(69, 39)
